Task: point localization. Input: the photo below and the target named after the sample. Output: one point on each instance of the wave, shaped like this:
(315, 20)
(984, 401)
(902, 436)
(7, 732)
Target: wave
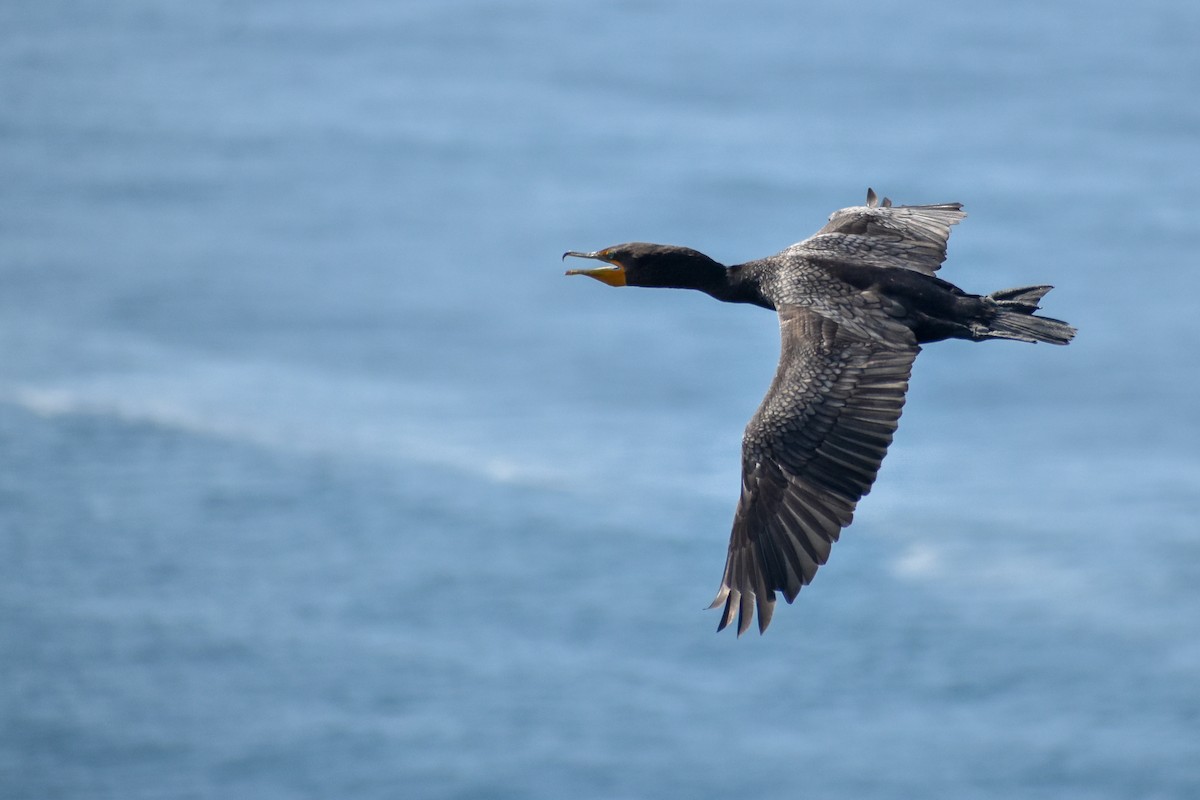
(286, 408)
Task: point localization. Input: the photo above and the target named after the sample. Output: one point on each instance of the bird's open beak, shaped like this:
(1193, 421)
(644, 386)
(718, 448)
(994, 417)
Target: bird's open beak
(613, 274)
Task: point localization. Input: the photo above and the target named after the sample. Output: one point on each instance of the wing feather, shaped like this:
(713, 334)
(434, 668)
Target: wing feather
(908, 237)
(811, 451)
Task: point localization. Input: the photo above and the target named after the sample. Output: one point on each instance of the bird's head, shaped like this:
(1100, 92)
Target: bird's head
(657, 265)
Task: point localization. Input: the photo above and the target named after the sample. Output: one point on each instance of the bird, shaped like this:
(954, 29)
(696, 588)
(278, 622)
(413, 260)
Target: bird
(855, 302)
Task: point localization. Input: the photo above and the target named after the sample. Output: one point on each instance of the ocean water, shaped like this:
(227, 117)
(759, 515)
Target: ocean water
(318, 480)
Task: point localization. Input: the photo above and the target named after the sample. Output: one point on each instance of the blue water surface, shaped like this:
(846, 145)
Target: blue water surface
(317, 480)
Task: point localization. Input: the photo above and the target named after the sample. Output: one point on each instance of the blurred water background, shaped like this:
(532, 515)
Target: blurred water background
(318, 480)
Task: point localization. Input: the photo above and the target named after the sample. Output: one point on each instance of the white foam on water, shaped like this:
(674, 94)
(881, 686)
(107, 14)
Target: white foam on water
(289, 408)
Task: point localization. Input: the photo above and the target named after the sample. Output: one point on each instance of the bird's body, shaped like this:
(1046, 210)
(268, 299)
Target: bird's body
(855, 302)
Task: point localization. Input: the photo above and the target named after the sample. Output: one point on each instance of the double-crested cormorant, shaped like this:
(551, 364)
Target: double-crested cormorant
(855, 302)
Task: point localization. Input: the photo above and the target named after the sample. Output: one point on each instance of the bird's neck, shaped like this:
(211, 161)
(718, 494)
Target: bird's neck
(684, 268)
(737, 285)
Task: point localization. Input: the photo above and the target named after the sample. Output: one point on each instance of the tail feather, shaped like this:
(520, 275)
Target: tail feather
(1014, 317)
(1023, 298)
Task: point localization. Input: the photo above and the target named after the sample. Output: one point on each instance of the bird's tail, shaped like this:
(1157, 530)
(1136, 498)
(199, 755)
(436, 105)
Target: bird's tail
(1013, 317)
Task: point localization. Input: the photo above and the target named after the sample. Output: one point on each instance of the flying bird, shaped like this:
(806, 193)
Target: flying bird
(855, 302)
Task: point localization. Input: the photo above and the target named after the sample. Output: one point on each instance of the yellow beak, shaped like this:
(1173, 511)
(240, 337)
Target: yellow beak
(613, 274)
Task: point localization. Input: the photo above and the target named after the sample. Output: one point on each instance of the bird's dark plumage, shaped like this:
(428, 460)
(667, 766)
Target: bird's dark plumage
(855, 302)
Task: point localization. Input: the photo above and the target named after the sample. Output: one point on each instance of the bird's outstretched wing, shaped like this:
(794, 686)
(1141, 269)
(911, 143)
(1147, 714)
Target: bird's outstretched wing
(810, 452)
(883, 235)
